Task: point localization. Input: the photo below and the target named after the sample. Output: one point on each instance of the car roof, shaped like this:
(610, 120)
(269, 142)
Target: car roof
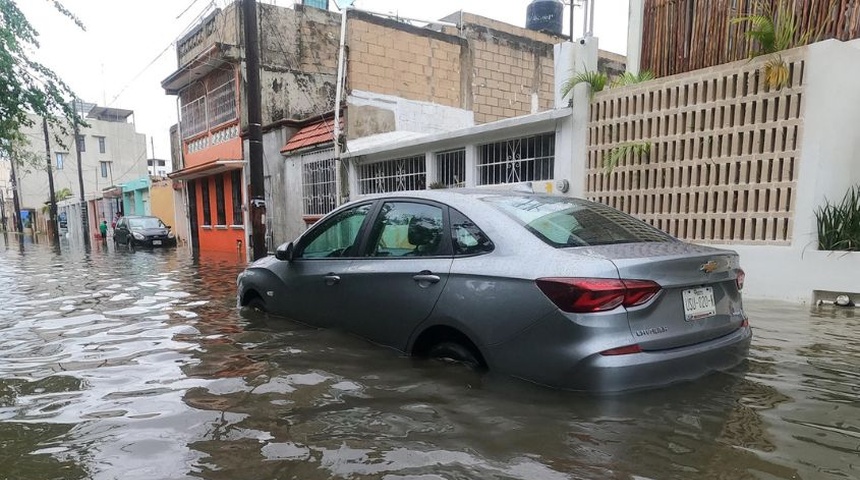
(457, 197)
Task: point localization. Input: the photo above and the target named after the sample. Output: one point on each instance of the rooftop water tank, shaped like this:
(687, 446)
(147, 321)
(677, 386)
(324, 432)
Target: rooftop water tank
(545, 16)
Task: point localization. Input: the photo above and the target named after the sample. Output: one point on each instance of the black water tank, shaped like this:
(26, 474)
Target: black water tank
(545, 16)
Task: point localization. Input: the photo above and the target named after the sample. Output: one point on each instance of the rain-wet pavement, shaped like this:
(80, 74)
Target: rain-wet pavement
(138, 365)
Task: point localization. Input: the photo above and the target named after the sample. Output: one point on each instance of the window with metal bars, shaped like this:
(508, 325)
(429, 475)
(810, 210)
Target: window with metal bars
(193, 117)
(220, 208)
(319, 188)
(451, 168)
(192, 109)
(222, 101)
(517, 160)
(204, 194)
(398, 175)
(236, 182)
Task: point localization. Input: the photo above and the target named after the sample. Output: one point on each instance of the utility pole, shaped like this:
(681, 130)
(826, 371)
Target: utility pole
(19, 227)
(85, 217)
(52, 209)
(341, 68)
(3, 224)
(257, 207)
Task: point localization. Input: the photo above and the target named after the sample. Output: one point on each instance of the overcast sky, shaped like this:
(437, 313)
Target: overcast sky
(128, 46)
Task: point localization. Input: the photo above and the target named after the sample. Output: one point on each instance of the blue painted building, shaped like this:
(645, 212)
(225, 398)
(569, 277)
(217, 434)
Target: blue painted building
(135, 196)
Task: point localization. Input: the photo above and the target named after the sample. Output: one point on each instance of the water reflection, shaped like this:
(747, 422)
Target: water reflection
(138, 365)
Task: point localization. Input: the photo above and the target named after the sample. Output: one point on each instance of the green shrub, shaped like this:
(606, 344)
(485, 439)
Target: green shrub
(839, 224)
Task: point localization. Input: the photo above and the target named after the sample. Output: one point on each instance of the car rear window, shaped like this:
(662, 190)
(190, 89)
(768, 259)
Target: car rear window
(145, 222)
(568, 222)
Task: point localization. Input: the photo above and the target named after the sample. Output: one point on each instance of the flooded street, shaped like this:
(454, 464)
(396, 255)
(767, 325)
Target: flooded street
(138, 365)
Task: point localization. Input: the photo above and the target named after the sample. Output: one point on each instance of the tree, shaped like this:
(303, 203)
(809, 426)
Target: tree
(62, 194)
(27, 86)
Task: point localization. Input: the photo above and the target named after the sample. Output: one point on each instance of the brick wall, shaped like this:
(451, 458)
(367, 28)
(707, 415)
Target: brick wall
(394, 59)
(495, 69)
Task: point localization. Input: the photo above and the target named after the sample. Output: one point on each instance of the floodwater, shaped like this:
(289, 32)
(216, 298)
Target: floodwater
(138, 365)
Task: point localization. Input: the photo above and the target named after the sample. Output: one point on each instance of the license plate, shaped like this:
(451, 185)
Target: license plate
(156, 242)
(699, 303)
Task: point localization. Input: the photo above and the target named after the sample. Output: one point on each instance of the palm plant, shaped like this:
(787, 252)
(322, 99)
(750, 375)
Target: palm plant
(629, 78)
(776, 29)
(596, 82)
(620, 152)
(59, 196)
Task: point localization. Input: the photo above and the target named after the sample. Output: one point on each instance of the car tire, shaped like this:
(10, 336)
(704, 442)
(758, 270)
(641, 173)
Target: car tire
(455, 352)
(257, 304)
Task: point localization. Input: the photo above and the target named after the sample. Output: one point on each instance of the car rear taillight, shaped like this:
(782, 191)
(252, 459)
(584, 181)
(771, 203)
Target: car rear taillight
(586, 295)
(740, 279)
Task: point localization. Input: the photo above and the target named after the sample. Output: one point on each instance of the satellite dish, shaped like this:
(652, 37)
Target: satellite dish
(341, 4)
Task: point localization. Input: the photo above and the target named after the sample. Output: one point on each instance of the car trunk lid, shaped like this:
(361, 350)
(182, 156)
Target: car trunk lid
(699, 301)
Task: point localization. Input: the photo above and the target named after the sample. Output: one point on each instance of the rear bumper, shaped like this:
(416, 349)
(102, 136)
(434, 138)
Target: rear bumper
(651, 369)
(562, 355)
(148, 243)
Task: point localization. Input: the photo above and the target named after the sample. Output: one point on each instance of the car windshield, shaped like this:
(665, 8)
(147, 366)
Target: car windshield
(569, 222)
(145, 222)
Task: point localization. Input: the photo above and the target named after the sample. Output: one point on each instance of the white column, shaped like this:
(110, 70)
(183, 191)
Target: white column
(635, 25)
(563, 55)
(585, 59)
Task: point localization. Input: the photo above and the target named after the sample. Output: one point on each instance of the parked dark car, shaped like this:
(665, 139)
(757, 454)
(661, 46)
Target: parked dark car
(556, 290)
(143, 231)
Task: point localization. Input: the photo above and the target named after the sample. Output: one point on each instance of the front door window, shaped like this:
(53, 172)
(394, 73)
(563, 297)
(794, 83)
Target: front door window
(338, 237)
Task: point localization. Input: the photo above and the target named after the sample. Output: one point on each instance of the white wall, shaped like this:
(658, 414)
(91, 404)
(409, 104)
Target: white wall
(830, 148)
(125, 149)
(415, 116)
(791, 274)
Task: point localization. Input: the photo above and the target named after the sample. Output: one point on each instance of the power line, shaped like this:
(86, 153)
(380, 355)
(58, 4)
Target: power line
(166, 49)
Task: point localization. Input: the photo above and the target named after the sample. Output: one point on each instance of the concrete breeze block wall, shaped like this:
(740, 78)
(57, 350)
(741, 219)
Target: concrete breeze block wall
(724, 152)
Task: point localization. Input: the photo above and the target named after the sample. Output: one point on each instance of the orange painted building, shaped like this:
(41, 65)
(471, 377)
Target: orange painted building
(207, 87)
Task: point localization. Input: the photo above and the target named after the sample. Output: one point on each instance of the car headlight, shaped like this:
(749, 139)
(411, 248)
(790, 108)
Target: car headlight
(138, 236)
(170, 235)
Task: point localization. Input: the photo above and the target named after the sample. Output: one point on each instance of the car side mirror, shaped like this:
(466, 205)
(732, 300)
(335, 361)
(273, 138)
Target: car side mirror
(285, 252)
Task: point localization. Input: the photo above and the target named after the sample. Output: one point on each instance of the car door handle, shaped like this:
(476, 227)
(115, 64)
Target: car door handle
(331, 279)
(426, 278)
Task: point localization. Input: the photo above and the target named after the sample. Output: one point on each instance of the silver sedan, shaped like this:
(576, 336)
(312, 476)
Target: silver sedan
(555, 290)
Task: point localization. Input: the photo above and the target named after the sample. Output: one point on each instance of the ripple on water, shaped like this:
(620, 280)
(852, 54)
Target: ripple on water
(138, 365)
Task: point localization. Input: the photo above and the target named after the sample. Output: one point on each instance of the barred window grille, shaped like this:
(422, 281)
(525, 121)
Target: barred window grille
(398, 175)
(194, 117)
(319, 187)
(451, 168)
(517, 160)
(222, 103)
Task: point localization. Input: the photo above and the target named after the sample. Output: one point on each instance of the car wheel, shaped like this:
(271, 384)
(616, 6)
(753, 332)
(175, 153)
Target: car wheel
(257, 304)
(455, 352)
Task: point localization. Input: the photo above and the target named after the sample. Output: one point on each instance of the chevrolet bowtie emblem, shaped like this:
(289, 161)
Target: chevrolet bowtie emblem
(709, 267)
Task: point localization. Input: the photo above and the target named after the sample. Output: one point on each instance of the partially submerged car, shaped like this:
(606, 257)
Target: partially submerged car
(555, 290)
(143, 231)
